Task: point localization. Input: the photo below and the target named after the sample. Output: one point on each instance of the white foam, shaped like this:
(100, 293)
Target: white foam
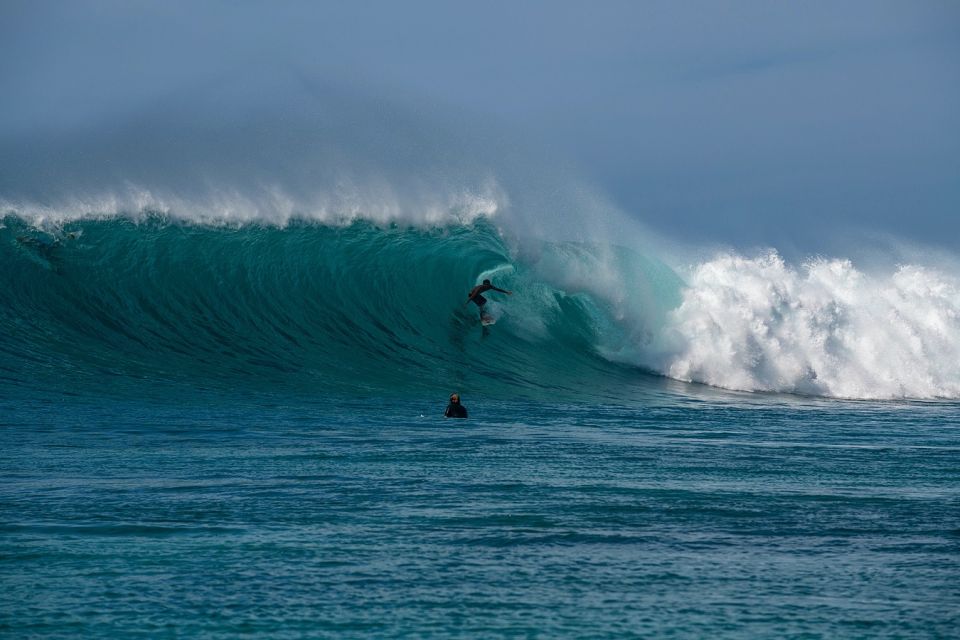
(756, 324)
(272, 205)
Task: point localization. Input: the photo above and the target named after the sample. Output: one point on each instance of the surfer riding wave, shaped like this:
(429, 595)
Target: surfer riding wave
(476, 296)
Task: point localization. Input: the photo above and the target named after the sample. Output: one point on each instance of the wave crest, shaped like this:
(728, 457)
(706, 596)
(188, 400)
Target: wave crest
(272, 205)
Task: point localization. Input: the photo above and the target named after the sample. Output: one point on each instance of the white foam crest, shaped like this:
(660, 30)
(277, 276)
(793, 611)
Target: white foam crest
(272, 205)
(756, 324)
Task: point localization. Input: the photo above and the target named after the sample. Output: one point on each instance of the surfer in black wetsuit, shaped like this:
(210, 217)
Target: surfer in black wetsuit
(476, 298)
(455, 409)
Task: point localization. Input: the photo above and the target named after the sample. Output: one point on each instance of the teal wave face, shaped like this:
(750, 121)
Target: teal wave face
(116, 304)
(126, 306)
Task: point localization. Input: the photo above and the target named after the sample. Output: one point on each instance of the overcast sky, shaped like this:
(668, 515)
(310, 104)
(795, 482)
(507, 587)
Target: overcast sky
(748, 123)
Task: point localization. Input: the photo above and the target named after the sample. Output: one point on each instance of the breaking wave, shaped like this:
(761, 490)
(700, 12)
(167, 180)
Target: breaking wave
(362, 306)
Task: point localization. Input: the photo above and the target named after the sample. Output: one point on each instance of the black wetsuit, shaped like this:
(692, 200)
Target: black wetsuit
(455, 410)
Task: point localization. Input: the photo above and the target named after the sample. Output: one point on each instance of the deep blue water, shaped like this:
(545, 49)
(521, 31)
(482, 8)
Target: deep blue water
(235, 431)
(701, 514)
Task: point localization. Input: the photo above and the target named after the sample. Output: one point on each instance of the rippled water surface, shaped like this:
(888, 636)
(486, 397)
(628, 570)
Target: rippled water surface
(735, 516)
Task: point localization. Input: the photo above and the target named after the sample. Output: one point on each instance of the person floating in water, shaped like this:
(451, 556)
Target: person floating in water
(455, 409)
(476, 298)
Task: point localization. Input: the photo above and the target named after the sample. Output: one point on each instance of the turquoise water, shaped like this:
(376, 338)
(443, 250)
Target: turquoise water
(715, 516)
(236, 432)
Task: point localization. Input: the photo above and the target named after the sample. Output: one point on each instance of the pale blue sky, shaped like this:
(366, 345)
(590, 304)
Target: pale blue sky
(791, 124)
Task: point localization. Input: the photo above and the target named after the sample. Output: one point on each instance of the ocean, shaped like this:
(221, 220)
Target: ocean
(221, 430)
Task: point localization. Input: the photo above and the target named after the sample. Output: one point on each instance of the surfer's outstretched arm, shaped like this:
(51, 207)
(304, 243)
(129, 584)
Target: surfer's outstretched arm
(509, 293)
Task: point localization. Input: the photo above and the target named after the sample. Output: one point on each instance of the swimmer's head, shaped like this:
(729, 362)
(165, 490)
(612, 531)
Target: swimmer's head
(486, 282)
(455, 398)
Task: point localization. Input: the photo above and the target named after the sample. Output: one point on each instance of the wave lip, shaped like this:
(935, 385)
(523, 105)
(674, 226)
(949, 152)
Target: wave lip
(268, 205)
(825, 329)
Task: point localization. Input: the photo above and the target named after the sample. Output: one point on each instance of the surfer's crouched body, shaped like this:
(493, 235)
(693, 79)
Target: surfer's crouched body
(475, 297)
(455, 409)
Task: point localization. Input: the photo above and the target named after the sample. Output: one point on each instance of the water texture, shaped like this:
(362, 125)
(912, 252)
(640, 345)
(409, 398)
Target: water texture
(698, 517)
(233, 430)
(326, 306)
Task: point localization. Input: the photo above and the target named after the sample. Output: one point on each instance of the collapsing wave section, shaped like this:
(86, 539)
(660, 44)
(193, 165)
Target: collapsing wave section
(117, 304)
(825, 329)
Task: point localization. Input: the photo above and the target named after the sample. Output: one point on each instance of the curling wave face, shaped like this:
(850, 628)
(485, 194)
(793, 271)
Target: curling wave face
(115, 303)
(111, 303)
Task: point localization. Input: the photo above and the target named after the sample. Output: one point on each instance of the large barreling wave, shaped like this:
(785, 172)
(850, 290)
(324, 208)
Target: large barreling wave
(317, 239)
(116, 302)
